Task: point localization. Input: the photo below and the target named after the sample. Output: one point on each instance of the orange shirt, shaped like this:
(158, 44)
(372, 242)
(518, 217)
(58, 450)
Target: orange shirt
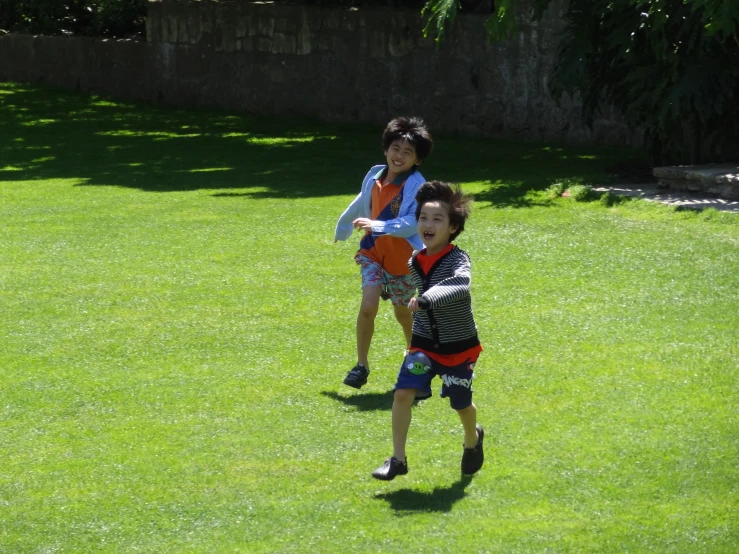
(450, 360)
(391, 253)
(426, 262)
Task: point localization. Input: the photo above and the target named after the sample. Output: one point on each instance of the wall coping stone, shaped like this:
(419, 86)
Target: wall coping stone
(721, 180)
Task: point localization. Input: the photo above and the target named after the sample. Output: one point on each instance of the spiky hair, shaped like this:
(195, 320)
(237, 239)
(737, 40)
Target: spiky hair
(459, 204)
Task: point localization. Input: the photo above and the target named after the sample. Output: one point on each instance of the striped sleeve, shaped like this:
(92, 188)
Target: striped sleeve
(454, 288)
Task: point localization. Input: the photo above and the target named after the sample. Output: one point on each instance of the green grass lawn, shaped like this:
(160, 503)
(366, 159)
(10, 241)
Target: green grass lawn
(176, 323)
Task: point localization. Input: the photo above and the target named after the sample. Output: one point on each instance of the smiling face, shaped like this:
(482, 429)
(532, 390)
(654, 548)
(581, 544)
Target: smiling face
(434, 226)
(401, 157)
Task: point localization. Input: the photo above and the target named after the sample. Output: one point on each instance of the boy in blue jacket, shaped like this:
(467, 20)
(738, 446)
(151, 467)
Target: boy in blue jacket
(385, 211)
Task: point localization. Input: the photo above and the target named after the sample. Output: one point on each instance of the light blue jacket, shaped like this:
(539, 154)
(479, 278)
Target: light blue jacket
(405, 225)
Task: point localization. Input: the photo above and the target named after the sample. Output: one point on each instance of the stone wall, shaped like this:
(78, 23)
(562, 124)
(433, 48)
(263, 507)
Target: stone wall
(333, 64)
(122, 69)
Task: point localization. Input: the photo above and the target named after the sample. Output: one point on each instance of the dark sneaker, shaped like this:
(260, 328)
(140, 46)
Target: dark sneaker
(390, 469)
(472, 458)
(357, 377)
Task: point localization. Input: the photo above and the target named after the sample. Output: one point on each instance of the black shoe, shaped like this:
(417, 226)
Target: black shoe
(390, 469)
(472, 458)
(357, 377)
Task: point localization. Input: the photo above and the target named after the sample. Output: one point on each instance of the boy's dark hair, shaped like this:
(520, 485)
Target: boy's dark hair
(412, 129)
(452, 196)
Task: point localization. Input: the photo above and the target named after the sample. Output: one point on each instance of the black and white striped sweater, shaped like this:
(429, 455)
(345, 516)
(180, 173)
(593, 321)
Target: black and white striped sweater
(444, 324)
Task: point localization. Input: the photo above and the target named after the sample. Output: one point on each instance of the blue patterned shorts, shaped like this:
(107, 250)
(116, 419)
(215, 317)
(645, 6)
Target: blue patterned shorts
(399, 289)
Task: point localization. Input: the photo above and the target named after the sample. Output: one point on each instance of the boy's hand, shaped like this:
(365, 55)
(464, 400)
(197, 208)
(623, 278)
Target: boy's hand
(362, 223)
(418, 304)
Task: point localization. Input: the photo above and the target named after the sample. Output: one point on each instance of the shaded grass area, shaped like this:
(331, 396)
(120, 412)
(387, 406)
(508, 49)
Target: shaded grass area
(52, 135)
(172, 363)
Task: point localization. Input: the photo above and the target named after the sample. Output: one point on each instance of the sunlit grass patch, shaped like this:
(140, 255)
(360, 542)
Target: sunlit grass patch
(281, 140)
(36, 122)
(155, 134)
(210, 169)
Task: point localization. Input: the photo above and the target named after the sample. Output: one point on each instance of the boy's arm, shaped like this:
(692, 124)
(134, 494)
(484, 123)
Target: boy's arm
(449, 290)
(345, 226)
(404, 227)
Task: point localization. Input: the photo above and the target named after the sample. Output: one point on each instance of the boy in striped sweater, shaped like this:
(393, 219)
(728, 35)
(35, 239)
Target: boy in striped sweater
(444, 340)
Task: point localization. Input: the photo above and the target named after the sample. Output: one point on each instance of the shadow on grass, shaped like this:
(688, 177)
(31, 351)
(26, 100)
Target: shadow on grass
(49, 134)
(364, 402)
(441, 499)
(368, 401)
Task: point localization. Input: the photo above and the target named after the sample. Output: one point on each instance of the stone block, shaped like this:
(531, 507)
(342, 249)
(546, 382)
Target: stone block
(153, 29)
(229, 40)
(266, 26)
(170, 29)
(728, 185)
(245, 44)
(286, 25)
(283, 44)
(194, 29)
(331, 20)
(304, 39)
(253, 24)
(242, 28)
(729, 179)
(718, 179)
(696, 172)
(348, 20)
(264, 44)
(730, 191)
(183, 35)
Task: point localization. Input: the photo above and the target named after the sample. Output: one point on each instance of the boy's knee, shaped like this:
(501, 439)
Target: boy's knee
(405, 396)
(402, 313)
(370, 301)
(368, 309)
(467, 409)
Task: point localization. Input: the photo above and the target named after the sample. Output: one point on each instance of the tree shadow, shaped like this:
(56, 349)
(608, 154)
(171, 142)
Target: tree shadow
(441, 499)
(510, 170)
(51, 134)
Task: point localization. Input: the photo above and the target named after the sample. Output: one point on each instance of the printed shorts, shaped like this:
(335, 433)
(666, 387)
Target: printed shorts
(418, 370)
(399, 289)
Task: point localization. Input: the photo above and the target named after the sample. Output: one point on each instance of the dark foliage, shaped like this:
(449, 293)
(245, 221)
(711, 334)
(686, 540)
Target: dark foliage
(669, 66)
(103, 18)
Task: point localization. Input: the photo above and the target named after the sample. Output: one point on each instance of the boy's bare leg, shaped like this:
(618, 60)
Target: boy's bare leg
(366, 322)
(405, 318)
(402, 404)
(468, 416)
